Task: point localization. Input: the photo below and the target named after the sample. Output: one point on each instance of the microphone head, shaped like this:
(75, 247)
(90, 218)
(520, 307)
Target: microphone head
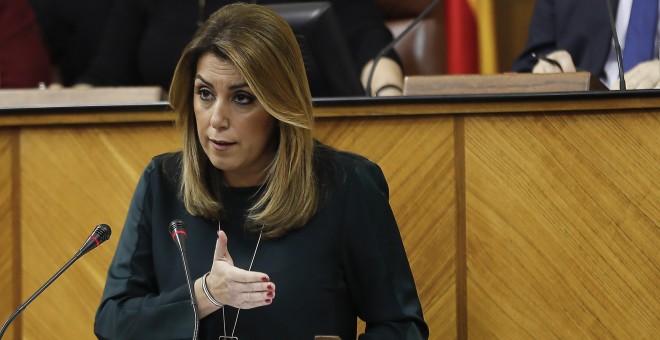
(177, 227)
(102, 232)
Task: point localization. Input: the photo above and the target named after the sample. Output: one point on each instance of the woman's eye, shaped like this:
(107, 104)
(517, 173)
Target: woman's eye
(204, 94)
(243, 98)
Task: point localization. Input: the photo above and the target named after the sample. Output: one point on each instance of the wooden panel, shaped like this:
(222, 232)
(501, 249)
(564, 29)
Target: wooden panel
(73, 179)
(500, 83)
(416, 155)
(560, 216)
(131, 114)
(473, 105)
(365, 107)
(563, 226)
(80, 96)
(113, 157)
(9, 233)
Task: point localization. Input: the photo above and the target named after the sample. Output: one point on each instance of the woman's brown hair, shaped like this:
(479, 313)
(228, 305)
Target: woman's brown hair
(262, 47)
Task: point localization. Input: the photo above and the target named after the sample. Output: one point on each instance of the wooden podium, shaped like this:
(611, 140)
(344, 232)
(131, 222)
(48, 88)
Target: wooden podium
(523, 215)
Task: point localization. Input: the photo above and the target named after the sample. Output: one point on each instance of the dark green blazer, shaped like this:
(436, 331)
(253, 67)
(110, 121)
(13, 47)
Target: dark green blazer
(347, 262)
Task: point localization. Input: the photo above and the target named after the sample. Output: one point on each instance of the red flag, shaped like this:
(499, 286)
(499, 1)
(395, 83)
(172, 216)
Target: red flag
(462, 38)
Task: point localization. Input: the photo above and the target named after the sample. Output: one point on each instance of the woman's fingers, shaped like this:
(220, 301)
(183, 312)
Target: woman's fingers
(240, 288)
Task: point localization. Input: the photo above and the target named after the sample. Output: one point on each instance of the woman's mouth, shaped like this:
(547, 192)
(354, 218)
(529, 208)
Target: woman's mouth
(221, 145)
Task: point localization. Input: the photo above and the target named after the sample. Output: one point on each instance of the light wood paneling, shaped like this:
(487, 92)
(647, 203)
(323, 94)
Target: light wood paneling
(563, 221)
(74, 178)
(80, 96)
(500, 83)
(92, 115)
(416, 156)
(522, 216)
(9, 233)
(59, 198)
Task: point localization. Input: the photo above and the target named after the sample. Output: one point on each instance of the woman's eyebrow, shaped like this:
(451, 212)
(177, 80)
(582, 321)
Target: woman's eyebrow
(231, 87)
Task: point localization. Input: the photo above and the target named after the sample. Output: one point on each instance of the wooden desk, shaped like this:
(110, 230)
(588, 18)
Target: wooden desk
(531, 216)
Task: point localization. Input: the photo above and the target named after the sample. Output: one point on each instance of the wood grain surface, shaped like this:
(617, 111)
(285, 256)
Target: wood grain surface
(563, 226)
(9, 231)
(527, 218)
(74, 178)
(80, 96)
(500, 83)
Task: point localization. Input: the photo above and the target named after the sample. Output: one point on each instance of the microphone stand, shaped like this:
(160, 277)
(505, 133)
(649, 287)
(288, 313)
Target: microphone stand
(617, 46)
(179, 236)
(100, 234)
(193, 300)
(37, 293)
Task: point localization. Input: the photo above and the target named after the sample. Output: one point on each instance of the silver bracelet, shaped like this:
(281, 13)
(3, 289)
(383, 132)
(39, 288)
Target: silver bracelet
(207, 293)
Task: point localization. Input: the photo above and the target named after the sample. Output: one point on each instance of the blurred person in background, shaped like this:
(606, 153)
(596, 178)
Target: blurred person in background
(576, 35)
(144, 39)
(72, 31)
(23, 57)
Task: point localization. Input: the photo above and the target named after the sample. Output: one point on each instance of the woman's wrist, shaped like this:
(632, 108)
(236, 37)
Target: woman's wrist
(207, 293)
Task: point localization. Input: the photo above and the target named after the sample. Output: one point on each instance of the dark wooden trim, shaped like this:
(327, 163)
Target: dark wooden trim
(16, 257)
(461, 233)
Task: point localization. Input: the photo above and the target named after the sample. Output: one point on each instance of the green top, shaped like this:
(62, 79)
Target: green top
(348, 261)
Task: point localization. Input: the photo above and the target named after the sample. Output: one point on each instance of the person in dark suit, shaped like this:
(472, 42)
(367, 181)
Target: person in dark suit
(144, 39)
(287, 238)
(577, 35)
(72, 31)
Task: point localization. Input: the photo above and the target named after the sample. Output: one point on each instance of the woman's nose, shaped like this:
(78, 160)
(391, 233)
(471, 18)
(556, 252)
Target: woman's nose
(219, 116)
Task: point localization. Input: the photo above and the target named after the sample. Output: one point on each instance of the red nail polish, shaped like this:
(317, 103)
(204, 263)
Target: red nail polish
(267, 300)
(270, 294)
(270, 287)
(264, 279)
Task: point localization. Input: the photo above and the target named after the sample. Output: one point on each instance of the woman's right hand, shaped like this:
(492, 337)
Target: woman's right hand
(237, 287)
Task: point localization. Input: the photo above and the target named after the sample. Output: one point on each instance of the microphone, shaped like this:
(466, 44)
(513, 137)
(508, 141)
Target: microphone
(178, 232)
(389, 46)
(99, 235)
(617, 46)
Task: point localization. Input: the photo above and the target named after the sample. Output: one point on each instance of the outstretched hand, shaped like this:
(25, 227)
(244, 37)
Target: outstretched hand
(234, 286)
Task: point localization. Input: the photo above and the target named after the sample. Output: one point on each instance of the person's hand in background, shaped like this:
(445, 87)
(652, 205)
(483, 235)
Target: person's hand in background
(645, 75)
(387, 79)
(561, 57)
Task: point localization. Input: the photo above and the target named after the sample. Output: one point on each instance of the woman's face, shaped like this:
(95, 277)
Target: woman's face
(235, 131)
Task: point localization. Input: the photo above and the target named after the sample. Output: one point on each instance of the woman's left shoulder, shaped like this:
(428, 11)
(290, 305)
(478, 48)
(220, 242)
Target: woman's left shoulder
(328, 155)
(347, 166)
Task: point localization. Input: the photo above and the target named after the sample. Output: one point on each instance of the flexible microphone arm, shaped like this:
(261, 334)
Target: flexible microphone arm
(389, 46)
(100, 234)
(617, 47)
(178, 232)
